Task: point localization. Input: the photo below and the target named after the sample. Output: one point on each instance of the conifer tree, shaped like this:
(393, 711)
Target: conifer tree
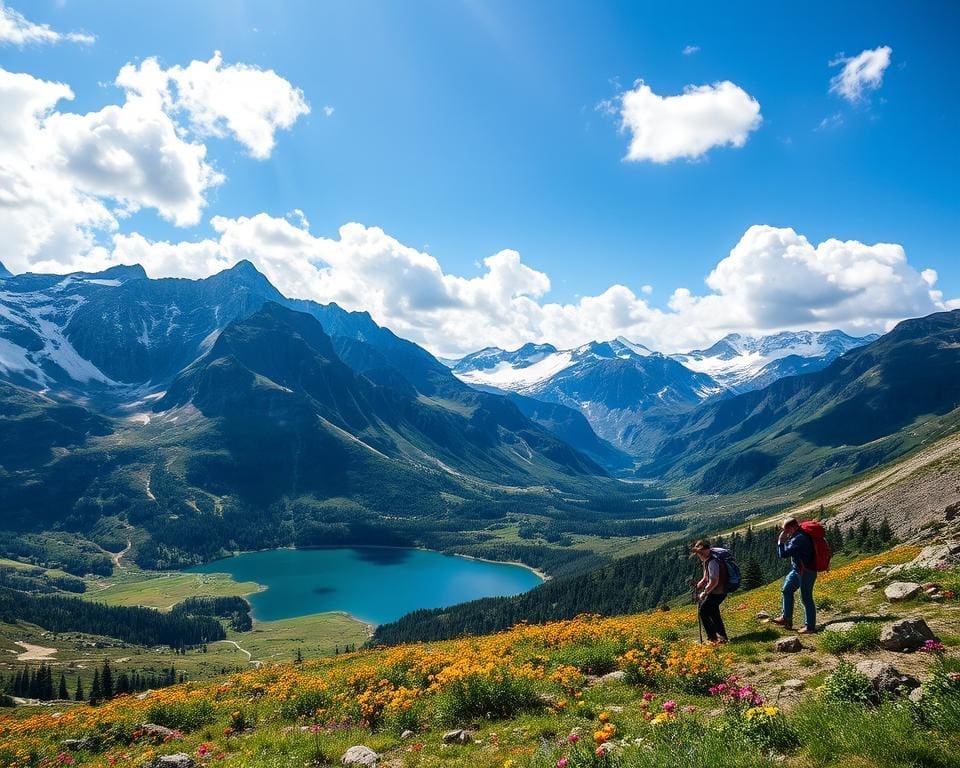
(885, 532)
(96, 692)
(63, 694)
(106, 681)
(752, 574)
(79, 694)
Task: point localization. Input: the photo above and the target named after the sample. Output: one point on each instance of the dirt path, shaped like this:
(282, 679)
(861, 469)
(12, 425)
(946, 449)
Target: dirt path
(874, 484)
(34, 652)
(243, 650)
(888, 477)
(117, 556)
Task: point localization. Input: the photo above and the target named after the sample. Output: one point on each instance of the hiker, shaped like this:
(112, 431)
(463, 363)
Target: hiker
(797, 544)
(711, 590)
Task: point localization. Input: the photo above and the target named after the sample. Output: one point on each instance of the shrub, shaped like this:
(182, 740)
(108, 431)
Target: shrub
(595, 657)
(863, 636)
(644, 665)
(847, 685)
(496, 695)
(183, 714)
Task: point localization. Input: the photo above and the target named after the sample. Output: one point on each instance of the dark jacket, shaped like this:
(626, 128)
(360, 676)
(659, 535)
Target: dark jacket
(799, 548)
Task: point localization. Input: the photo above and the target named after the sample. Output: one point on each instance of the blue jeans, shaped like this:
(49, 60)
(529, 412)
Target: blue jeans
(804, 582)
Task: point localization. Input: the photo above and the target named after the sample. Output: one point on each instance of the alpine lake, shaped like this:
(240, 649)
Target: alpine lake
(375, 585)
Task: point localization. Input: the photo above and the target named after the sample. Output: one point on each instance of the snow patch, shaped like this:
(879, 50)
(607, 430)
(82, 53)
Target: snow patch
(506, 376)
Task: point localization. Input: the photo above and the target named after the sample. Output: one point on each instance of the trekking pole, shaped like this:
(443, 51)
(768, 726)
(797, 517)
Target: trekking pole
(699, 621)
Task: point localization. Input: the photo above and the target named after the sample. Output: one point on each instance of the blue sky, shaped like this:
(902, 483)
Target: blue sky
(465, 128)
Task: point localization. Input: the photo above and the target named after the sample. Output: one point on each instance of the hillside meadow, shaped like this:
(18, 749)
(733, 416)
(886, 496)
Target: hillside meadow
(534, 697)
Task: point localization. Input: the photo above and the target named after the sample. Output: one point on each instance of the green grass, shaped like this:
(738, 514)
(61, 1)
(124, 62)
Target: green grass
(316, 635)
(864, 636)
(164, 590)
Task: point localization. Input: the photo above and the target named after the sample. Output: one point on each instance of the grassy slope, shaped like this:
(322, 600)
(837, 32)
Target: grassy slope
(163, 590)
(391, 687)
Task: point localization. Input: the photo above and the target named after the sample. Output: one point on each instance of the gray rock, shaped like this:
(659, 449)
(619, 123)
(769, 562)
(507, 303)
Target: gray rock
(616, 675)
(360, 755)
(179, 760)
(408, 734)
(938, 556)
(458, 736)
(885, 678)
(905, 635)
(866, 588)
(788, 645)
(74, 745)
(158, 732)
(792, 685)
(901, 590)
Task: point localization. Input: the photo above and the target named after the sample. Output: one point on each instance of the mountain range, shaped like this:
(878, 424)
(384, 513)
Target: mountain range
(195, 417)
(626, 391)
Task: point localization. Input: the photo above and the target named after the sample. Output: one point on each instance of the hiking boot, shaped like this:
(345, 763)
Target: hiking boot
(806, 631)
(782, 622)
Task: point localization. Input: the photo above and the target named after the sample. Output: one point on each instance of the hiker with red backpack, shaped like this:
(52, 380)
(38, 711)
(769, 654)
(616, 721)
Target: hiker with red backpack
(806, 546)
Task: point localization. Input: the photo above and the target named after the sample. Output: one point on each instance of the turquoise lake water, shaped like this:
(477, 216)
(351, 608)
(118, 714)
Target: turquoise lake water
(374, 584)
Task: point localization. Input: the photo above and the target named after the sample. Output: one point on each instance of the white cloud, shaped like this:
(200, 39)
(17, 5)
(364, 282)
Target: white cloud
(328, 110)
(773, 279)
(689, 50)
(666, 128)
(66, 178)
(16, 29)
(860, 73)
(247, 102)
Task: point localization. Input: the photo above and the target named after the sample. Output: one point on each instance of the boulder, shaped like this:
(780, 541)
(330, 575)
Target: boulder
(792, 685)
(905, 635)
(901, 590)
(788, 645)
(179, 760)
(75, 745)
(457, 736)
(158, 732)
(938, 556)
(885, 678)
(360, 755)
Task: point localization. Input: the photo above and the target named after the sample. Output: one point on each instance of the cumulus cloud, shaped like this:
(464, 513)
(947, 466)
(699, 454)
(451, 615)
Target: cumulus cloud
(860, 73)
(244, 101)
(16, 29)
(689, 50)
(773, 279)
(67, 178)
(665, 128)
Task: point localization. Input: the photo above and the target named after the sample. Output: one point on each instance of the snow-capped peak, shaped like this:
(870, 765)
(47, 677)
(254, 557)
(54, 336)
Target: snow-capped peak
(743, 362)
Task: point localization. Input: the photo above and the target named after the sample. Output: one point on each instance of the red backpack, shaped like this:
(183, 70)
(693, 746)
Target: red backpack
(821, 550)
